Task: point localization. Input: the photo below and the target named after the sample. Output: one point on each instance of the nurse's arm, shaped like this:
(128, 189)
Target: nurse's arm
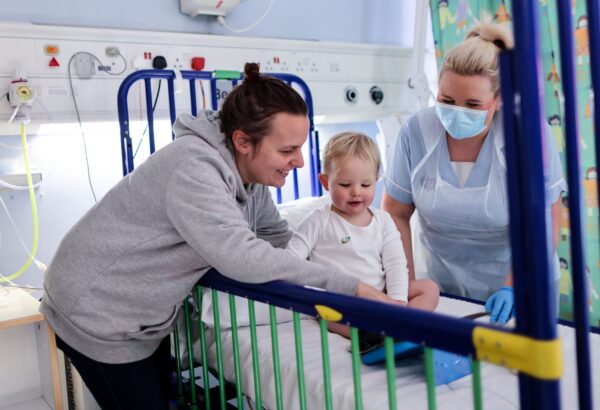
(556, 212)
(401, 214)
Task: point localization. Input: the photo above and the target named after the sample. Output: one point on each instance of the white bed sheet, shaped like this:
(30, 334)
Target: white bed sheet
(500, 386)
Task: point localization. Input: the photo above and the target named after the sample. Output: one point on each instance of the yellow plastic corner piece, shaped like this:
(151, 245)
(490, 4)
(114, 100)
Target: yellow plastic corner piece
(542, 359)
(329, 314)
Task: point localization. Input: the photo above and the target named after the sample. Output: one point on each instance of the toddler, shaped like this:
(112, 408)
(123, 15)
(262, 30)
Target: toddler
(351, 235)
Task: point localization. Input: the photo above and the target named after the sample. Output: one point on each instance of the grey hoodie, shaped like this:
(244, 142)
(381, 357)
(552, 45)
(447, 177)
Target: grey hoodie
(117, 280)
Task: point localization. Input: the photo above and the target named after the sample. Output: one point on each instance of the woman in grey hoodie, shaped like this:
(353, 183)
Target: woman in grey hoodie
(117, 280)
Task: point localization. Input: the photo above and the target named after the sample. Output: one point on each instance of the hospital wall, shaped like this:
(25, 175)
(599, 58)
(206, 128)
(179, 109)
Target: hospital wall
(356, 21)
(58, 149)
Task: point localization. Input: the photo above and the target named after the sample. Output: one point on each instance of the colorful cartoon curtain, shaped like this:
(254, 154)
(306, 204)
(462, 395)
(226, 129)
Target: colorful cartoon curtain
(451, 20)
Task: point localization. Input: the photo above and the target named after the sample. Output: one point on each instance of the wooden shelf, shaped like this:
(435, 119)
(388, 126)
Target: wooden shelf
(30, 378)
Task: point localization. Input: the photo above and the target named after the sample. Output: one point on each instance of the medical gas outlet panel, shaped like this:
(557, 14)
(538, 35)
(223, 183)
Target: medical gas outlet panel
(349, 82)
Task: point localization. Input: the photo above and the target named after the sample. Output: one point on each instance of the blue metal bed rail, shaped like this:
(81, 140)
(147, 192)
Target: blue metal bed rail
(458, 335)
(409, 324)
(174, 78)
(578, 273)
(531, 243)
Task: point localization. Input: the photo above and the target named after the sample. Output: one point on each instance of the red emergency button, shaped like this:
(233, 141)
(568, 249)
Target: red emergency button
(53, 62)
(198, 63)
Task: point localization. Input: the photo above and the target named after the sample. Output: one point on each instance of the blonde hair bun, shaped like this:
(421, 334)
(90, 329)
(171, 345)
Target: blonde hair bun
(498, 34)
(478, 53)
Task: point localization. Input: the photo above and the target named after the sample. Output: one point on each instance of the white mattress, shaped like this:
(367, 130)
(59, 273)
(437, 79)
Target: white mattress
(500, 386)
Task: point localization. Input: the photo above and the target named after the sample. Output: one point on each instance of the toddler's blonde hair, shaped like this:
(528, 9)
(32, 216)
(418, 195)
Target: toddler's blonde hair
(350, 144)
(478, 53)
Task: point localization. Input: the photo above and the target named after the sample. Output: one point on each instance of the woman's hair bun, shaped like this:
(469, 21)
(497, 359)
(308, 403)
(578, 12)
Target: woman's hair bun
(494, 33)
(251, 72)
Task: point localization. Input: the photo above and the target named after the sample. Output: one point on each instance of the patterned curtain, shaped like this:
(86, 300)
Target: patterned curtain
(451, 20)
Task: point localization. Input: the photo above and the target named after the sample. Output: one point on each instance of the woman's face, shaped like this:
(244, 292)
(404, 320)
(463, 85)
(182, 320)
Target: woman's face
(280, 151)
(469, 91)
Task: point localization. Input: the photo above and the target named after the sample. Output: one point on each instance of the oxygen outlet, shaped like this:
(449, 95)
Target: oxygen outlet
(376, 94)
(351, 95)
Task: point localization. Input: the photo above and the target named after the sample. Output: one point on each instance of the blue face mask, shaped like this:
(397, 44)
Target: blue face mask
(461, 122)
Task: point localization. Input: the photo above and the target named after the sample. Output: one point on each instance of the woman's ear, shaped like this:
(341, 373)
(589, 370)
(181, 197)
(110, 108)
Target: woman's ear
(324, 178)
(241, 142)
(498, 103)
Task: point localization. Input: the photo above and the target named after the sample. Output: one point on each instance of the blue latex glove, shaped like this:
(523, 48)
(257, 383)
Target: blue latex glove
(500, 305)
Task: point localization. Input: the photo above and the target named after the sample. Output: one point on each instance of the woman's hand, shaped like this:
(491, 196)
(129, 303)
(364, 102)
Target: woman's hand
(369, 292)
(500, 305)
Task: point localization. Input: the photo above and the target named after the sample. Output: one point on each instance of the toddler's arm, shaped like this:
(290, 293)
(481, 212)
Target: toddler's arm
(394, 262)
(305, 237)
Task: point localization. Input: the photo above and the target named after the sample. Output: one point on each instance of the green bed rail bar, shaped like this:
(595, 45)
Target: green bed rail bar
(236, 353)
(477, 397)
(203, 350)
(390, 369)
(227, 74)
(326, 365)
(430, 379)
(219, 346)
(188, 339)
(275, 349)
(356, 368)
(255, 362)
(299, 361)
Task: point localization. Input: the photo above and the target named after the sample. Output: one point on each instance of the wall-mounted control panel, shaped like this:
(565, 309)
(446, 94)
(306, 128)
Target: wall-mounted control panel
(349, 82)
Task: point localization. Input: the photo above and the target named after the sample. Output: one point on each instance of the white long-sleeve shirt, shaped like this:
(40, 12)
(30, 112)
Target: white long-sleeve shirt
(373, 253)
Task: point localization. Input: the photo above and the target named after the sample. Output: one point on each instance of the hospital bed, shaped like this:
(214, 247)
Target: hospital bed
(499, 386)
(297, 364)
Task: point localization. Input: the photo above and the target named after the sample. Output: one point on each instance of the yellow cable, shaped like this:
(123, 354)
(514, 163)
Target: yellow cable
(34, 213)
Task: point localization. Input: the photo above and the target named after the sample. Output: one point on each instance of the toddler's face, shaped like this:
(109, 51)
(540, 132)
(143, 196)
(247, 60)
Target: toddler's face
(351, 184)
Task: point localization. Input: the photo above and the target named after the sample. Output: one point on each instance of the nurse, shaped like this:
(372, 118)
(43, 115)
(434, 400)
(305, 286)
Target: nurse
(449, 163)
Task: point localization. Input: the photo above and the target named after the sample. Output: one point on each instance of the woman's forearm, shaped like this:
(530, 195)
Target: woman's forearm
(403, 226)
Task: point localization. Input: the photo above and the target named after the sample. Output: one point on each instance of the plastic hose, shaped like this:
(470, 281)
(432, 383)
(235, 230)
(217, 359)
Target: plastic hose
(34, 213)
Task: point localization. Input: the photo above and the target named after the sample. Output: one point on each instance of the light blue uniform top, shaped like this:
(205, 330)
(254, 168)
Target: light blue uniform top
(409, 150)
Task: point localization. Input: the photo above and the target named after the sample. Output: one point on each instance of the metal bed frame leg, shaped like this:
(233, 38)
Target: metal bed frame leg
(536, 315)
(580, 288)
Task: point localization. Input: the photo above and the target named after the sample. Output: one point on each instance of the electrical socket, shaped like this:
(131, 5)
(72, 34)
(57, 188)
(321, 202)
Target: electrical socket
(177, 62)
(178, 59)
(84, 66)
(112, 51)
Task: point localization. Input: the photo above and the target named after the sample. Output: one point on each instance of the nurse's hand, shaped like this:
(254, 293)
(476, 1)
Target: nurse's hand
(369, 292)
(501, 304)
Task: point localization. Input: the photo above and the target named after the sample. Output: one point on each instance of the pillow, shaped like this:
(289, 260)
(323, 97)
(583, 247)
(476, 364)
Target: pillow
(294, 212)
